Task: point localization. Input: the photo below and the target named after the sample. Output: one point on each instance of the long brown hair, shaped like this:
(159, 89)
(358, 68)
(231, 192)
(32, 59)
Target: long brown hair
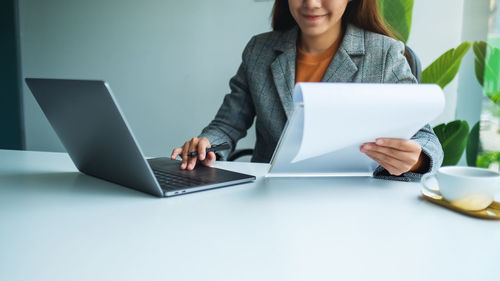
(361, 13)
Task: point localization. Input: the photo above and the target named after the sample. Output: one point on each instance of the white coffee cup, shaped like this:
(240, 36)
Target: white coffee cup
(468, 188)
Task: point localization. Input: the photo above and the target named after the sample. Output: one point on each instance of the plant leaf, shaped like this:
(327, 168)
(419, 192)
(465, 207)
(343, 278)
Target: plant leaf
(489, 67)
(473, 145)
(485, 160)
(445, 68)
(397, 15)
(479, 48)
(453, 139)
(494, 97)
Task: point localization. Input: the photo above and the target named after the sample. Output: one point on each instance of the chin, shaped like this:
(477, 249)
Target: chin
(315, 31)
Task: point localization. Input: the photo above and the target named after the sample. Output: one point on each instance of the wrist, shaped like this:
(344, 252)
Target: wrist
(422, 165)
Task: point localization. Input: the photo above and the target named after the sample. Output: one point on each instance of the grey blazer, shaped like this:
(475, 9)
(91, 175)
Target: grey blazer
(262, 89)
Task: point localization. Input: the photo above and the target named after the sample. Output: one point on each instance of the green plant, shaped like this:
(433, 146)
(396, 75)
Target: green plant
(445, 68)
(453, 139)
(473, 145)
(398, 15)
(479, 61)
(442, 71)
(486, 72)
(485, 160)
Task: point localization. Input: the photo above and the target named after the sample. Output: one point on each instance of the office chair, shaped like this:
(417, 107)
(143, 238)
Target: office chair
(414, 62)
(416, 70)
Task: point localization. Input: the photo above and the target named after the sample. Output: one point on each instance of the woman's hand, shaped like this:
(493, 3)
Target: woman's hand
(397, 156)
(195, 144)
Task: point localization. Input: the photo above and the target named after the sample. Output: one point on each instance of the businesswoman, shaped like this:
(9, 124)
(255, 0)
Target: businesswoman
(313, 41)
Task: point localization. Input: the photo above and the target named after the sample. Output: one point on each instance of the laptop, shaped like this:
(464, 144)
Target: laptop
(98, 139)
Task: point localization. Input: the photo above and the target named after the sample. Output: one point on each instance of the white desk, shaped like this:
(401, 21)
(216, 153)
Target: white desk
(58, 224)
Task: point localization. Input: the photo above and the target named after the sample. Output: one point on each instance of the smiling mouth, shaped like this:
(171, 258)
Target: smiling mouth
(313, 17)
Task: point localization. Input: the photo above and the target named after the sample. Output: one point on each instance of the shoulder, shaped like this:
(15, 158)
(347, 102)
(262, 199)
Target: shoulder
(262, 49)
(381, 58)
(395, 66)
(377, 42)
(374, 46)
(267, 42)
(268, 38)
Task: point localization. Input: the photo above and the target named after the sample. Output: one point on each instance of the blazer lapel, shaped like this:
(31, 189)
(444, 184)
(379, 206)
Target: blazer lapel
(342, 67)
(283, 69)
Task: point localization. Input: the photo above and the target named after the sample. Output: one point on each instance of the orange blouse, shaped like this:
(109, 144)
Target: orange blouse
(312, 68)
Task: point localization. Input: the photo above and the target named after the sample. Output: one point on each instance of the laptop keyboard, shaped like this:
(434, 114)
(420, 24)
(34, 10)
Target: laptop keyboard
(170, 180)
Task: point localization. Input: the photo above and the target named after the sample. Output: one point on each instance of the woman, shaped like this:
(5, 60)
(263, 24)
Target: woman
(313, 41)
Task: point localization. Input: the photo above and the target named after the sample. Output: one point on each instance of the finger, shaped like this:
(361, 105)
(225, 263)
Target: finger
(409, 158)
(387, 160)
(399, 144)
(209, 160)
(192, 147)
(393, 165)
(390, 168)
(203, 144)
(185, 158)
(394, 171)
(176, 152)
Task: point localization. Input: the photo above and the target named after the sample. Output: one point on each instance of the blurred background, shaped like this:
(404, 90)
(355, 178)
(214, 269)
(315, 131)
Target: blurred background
(169, 62)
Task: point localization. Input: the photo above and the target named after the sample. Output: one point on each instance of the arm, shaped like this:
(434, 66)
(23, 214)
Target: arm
(397, 70)
(236, 113)
(231, 123)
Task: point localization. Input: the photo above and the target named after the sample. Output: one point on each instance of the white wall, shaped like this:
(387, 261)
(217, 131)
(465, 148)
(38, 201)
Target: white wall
(470, 92)
(169, 62)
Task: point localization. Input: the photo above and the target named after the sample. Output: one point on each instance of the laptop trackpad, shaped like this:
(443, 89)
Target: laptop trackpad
(207, 175)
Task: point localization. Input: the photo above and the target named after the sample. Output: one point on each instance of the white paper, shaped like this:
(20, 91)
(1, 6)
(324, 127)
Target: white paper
(332, 120)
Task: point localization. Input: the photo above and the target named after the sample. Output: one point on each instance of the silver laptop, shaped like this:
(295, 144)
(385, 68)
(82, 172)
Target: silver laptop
(91, 127)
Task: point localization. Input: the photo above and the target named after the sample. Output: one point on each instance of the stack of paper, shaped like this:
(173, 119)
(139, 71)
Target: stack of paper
(332, 120)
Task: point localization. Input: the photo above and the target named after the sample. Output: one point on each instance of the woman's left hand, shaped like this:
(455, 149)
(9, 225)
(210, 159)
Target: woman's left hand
(397, 156)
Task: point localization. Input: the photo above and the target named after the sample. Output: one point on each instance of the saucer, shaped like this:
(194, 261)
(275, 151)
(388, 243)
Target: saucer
(491, 212)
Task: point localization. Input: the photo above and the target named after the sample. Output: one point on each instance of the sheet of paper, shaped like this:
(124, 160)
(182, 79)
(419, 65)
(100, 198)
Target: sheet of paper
(332, 120)
(341, 115)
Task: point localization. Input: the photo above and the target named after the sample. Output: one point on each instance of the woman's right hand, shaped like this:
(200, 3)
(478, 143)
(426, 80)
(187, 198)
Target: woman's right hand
(195, 144)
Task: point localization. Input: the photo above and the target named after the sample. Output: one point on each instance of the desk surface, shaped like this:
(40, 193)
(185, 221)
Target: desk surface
(58, 224)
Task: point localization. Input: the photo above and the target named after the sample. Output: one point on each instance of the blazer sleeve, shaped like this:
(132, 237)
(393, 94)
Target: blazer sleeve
(397, 70)
(236, 113)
